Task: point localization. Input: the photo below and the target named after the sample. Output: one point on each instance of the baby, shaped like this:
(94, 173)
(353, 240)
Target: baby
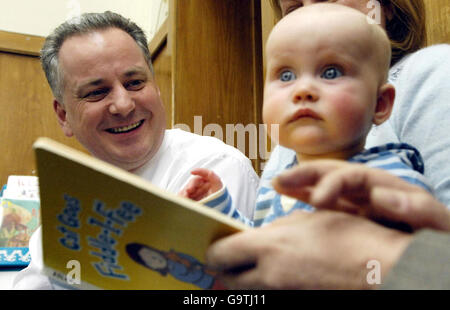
(326, 85)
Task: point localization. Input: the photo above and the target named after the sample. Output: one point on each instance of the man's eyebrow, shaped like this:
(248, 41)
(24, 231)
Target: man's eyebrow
(98, 81)
(134, 71)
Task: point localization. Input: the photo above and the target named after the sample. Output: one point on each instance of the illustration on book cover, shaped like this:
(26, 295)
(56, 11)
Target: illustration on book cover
(179, 265)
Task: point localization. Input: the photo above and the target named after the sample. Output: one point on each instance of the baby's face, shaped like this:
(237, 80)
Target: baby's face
(321, 86)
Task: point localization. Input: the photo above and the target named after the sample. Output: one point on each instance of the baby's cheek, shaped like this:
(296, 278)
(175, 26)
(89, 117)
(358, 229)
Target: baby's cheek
(272, 112)
(351, 116)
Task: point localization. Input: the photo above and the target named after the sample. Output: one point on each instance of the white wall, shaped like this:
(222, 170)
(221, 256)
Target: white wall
(40, 17)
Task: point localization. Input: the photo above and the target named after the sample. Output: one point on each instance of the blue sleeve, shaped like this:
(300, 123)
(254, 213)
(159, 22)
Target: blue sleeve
(223, 203)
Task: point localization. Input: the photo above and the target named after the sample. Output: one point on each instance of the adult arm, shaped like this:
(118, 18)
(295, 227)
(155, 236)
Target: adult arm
(331, 250)
(321, 250)
(424, 264)
(358, 189)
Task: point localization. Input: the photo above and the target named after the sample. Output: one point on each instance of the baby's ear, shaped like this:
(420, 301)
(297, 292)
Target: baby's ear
(385, 102)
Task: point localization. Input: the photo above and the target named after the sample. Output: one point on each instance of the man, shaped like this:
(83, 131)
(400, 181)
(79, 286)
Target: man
(99, 69)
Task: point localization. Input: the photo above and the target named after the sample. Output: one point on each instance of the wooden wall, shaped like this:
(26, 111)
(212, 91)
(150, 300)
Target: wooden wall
(26, 110)
(162, 66)
(438, 21)
(217, 68)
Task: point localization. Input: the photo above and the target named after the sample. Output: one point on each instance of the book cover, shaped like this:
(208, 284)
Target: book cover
(19, 218)
(103, 227)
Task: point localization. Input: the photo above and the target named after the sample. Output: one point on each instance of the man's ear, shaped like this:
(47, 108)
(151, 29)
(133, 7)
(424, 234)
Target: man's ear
(62, 120)
(385, 103)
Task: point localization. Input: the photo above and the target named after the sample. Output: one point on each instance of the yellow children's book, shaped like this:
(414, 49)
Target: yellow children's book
(103, 227)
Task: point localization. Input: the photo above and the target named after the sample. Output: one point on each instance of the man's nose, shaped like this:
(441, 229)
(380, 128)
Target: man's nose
(123, 104)
(305, 90)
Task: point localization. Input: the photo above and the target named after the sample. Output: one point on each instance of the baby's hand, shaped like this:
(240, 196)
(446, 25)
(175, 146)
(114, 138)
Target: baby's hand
(202, 185)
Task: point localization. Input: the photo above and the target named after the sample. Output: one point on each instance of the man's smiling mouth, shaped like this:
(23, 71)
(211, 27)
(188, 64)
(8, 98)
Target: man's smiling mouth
(125, 129)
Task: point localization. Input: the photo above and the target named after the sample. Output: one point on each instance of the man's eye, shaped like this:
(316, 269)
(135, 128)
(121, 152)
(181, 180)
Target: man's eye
(135, 84)
(331, 73)
(96, 93)
(287, 76)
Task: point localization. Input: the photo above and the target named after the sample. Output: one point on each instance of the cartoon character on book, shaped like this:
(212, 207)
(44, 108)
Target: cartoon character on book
(17, 223)
(179, 265)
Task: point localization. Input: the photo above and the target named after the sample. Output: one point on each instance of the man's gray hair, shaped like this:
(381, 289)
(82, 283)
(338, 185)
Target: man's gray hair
(79, 25)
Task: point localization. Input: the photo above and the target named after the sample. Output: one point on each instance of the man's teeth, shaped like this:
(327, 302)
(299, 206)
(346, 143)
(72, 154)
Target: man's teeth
(126, 128)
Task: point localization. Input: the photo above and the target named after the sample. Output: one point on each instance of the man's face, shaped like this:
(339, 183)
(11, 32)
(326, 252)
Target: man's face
(111, 102)
(321, 88)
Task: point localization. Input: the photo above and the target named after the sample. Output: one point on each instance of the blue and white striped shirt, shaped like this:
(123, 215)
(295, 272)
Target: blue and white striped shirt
(400, 159)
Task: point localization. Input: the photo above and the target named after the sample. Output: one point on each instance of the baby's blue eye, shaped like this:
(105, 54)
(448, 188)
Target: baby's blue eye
(331, 73)
(287, 76)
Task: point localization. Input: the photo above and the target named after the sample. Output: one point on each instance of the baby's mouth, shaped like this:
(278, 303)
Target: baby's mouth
(305, 113)
(125, 129)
